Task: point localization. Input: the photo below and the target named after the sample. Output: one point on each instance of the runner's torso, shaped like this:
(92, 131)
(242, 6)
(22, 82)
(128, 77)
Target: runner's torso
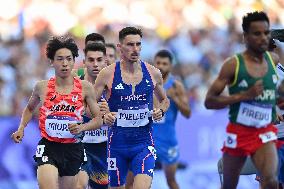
(260, 111)
(93, 136)
(133, 120)
(57, 111)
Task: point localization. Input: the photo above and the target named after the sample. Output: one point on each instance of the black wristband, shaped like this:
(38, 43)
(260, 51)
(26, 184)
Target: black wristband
(163, 113)
(103, 117)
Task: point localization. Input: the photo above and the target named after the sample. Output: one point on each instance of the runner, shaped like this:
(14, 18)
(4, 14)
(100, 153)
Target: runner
(251, 79)
(94, 172)
(63, 100)
(130, 84)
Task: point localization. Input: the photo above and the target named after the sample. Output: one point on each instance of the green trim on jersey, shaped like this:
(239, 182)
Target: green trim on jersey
(236, 71)
(243, 81)
(80, 72)
(271, 60)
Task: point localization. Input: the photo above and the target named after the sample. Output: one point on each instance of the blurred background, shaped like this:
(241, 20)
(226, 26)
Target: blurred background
(200, 33)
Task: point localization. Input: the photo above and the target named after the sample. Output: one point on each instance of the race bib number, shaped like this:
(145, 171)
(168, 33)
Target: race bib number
(231, 140)
(153, 151)
(57, 126)
(40, 150)
(96, 136)
(133, 118)
(254, 115)
(266, 137)
(111, 164)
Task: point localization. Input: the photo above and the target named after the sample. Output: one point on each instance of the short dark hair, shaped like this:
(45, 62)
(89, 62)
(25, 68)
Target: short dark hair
(111, 45)
(96, 37)
(164, 54)
(129, 31)
(56, 43)
(252, 17)
(95, 47)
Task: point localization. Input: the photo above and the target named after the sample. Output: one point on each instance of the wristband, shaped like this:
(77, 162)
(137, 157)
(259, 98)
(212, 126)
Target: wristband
(163, 113)
(104, 119)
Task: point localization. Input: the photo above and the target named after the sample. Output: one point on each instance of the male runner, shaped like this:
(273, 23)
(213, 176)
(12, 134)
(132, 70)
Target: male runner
(130, 84)
(94, 171)
(90, 38)
(110, 53)
(164, 131)
(251, 79)
(63, 100)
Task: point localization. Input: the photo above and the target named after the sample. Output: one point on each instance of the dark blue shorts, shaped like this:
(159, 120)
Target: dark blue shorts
(96, 165)
(139, 159)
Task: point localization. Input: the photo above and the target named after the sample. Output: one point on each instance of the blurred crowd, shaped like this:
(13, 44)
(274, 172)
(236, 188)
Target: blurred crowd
(200, 33)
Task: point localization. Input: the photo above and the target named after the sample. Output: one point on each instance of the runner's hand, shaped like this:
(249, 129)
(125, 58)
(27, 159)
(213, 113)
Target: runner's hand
(18, 135)
(103, 106)
(279, 117)
(109, 118)
(75, 128)
(255, 90)
(157, 114)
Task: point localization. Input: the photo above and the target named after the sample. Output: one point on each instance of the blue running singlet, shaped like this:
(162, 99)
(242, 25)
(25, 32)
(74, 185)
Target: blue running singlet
(130, 142)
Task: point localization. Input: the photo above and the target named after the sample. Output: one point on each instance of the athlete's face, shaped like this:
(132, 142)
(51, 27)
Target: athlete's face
(94, 62)
(130, 48)
(163, 64)
(63, 62)
(257, 37)
(110, 55)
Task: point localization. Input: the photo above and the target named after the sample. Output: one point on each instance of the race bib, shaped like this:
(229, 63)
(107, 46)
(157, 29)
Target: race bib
(266, 137)
(96, 136)
(133, 118)
(231, 140)
(254, 115)
(57, 126)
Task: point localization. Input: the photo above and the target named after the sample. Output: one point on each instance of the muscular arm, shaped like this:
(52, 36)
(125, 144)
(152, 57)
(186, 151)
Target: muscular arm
(31, 106)
(214, 99)
(181, 100)
(101, 83)
(159, 90)
(91, 101)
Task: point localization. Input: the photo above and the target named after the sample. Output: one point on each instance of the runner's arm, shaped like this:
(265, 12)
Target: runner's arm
(214, 98)
(90, 99)
(100, 84)
(31, 106)
(180, 98)
(159, 91)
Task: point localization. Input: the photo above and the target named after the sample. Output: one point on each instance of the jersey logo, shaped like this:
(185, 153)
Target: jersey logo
(147, 81)
(52, 98)
(274, 78)
(119, 86)
(243, 83)
(74, 98)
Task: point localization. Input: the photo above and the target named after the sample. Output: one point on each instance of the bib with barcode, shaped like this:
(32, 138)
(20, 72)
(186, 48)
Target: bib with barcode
(96, 136)
(254, 115)
(133, 117)
(57, 126)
